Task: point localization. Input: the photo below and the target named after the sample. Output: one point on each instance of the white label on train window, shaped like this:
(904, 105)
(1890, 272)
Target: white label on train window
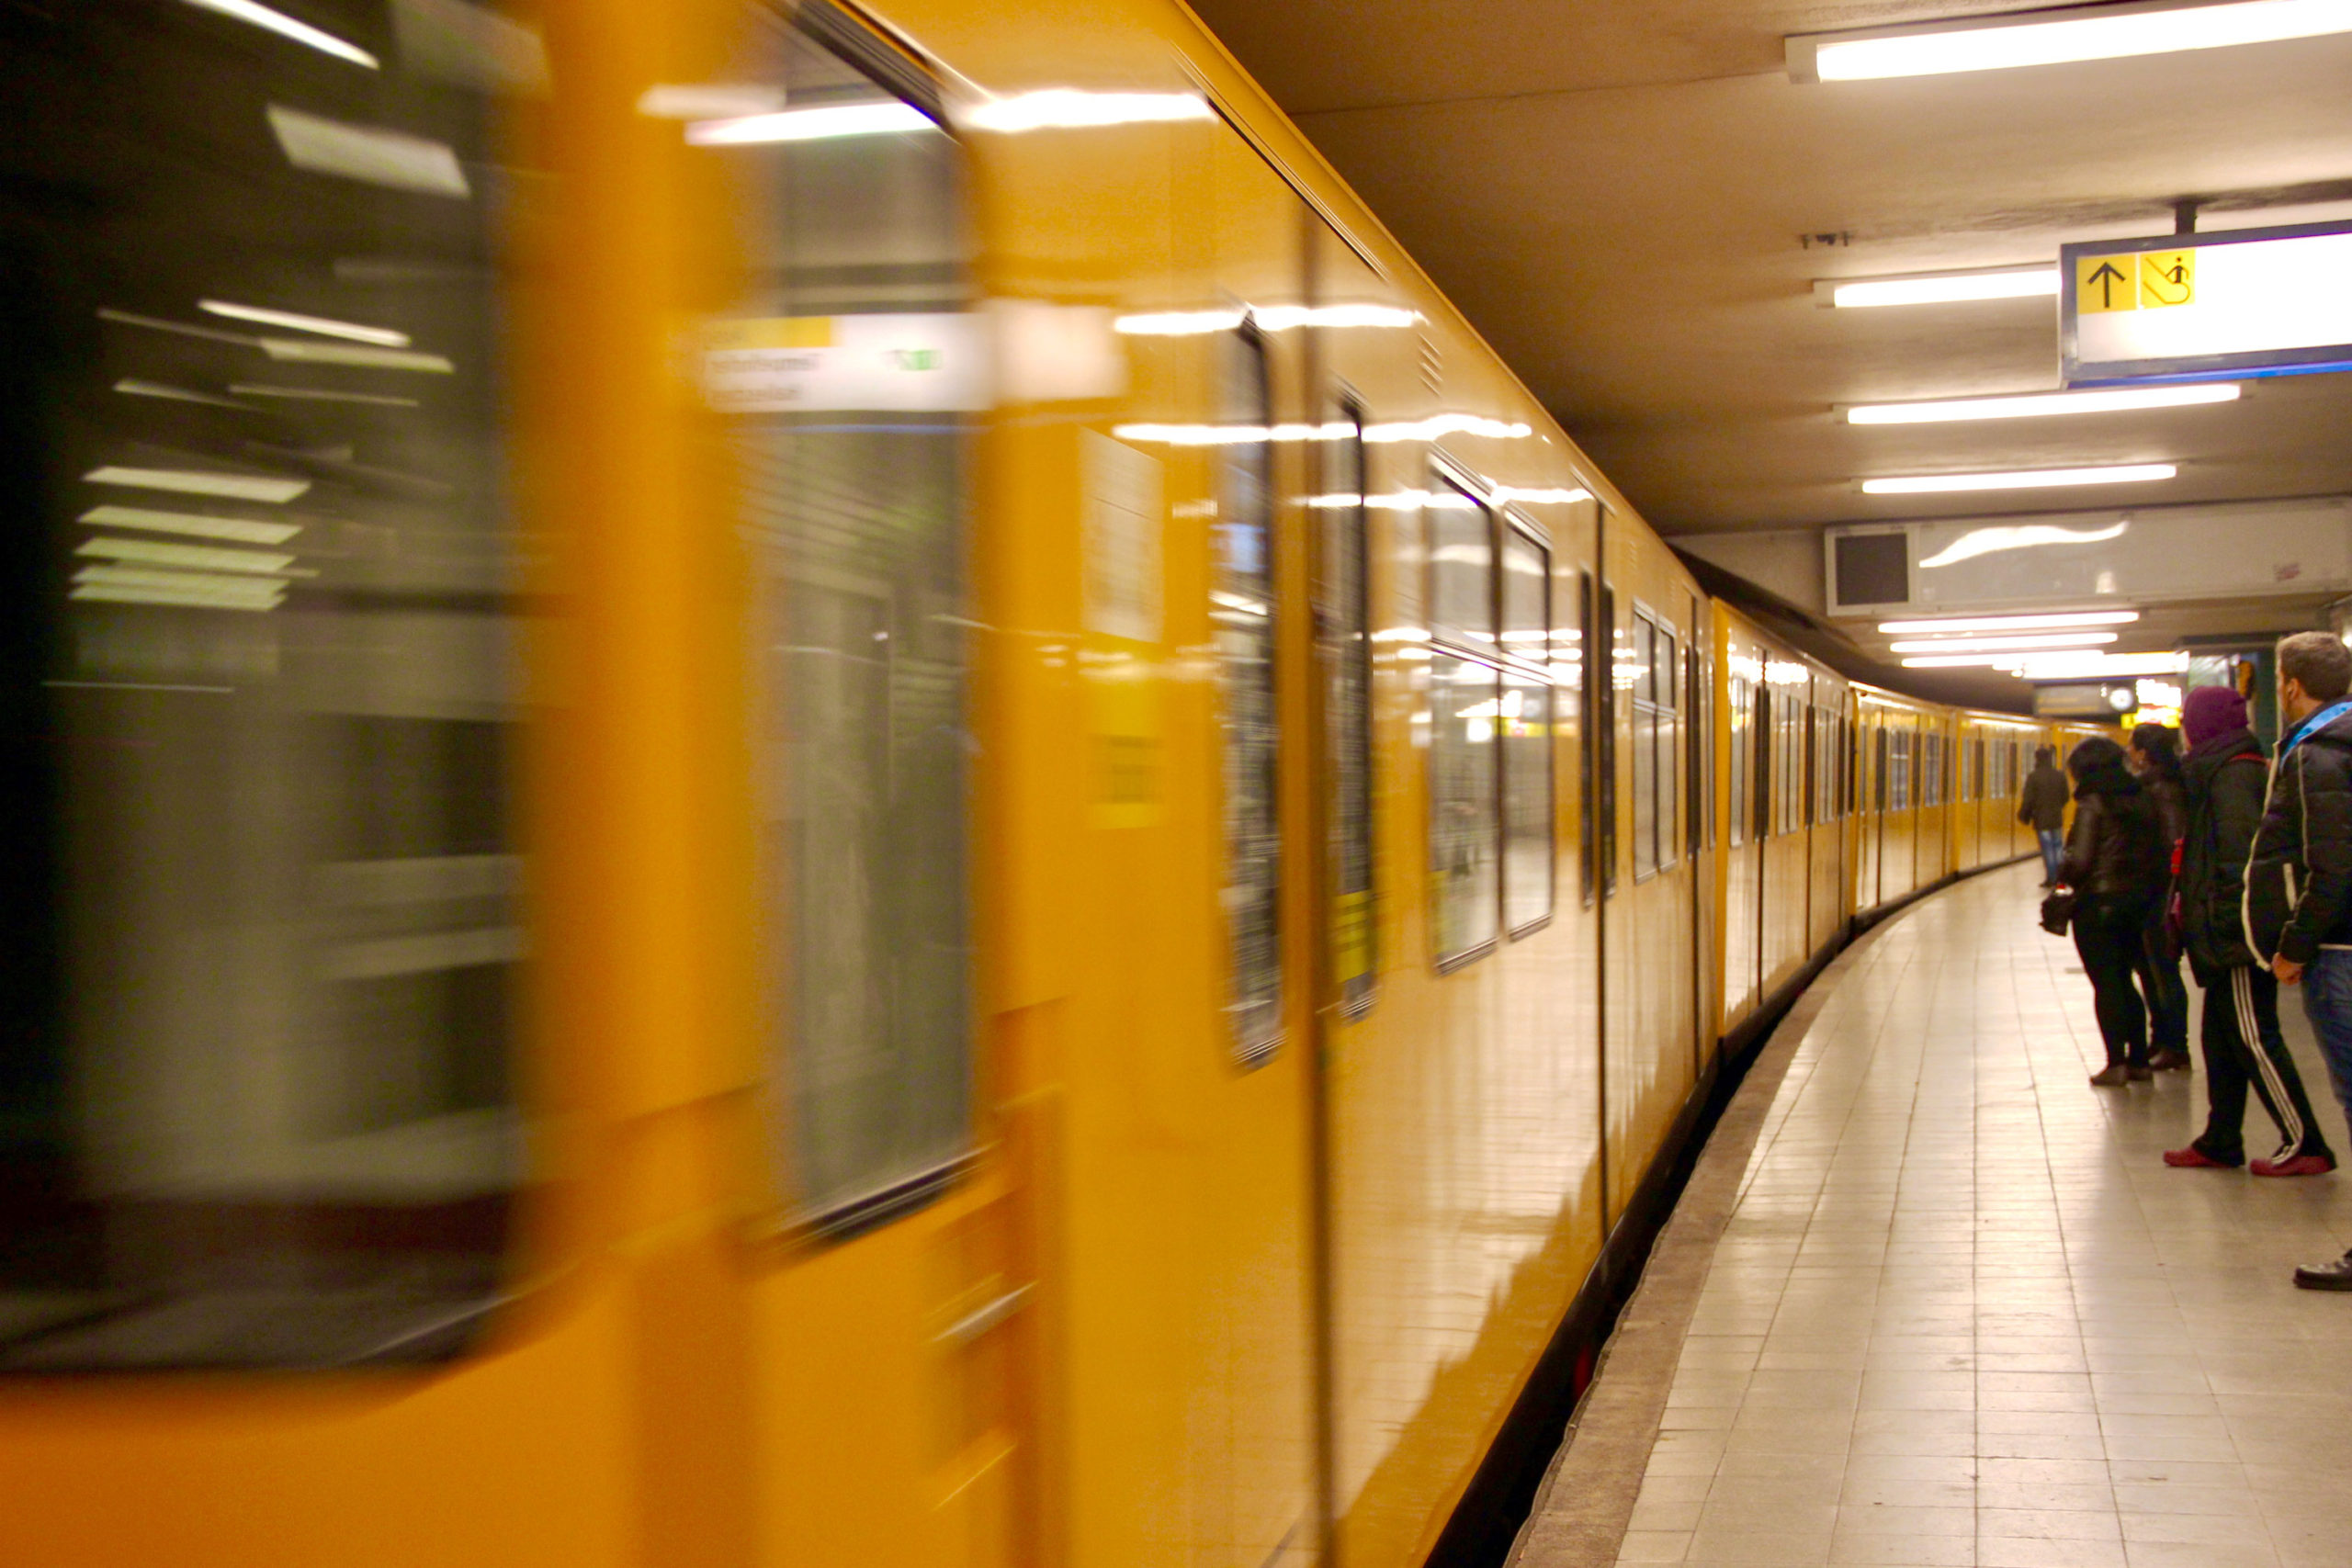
(1122, 490)
(898, 362)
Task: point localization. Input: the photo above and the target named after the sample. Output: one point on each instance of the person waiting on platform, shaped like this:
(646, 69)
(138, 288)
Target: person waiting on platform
(2223, 778)
(2042, 804)
(2116, 864)
(2298, 879)
(2154, 757)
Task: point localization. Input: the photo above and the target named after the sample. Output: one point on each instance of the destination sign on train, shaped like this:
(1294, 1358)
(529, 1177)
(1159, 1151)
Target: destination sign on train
(2199, 307)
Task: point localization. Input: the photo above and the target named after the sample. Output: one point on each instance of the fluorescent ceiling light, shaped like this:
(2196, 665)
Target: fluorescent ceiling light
(821, 122)
(240, 530)
(1503, 494)
(1337, 430)
(2002, 644)
(1268, 318)
(2016, 622)
(194, 558)
(2035, 404)
(1941, 287)
(2051, 37)
(133, 386)
(299, 351)
(209, 583)
(2023, 478)
(1959, 661)
(324, 325)
(1068, 108)
(192, 597)
(2092, 666)
(284, 26)
(367, 153)
(312, 394)
(190, 481)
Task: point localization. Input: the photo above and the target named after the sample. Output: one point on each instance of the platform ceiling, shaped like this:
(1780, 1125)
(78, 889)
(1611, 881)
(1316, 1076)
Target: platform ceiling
(1620, 194)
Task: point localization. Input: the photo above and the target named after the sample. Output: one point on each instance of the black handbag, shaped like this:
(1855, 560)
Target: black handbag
(2058, 910)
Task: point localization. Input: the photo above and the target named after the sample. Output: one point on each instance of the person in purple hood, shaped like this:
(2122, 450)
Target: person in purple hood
(2224, 777)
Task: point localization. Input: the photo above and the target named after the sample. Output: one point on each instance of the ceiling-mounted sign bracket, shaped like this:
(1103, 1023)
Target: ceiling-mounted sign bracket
(2190, 306)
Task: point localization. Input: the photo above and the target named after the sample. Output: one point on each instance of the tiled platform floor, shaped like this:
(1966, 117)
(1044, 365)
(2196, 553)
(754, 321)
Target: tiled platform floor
(1964, 1315)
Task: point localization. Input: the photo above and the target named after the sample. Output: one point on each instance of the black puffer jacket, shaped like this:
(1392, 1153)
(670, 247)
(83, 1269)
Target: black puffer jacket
(2223, 779)
(2117, 850)
(2298, 879)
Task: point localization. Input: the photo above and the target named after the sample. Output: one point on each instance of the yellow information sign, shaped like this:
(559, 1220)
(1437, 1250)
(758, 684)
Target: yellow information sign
(2167, 278)
(2106, 283)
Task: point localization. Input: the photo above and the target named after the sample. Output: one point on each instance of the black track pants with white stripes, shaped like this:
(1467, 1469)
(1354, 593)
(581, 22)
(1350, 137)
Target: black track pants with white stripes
(2242, 1046)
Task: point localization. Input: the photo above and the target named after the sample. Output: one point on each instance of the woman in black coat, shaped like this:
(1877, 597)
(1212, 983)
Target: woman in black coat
(2117, 864)
(2154, 757)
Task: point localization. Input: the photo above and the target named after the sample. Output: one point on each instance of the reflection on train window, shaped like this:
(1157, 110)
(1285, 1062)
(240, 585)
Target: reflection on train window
(1525, 724)
(852, 507)
(1657, 740)
(1590, 678)
(1698, 711)
(1464, 698)
(1462, 569)
(1344, 615)
(259, 855)
(1242, 611)
(1740, 700)
(1644, 740)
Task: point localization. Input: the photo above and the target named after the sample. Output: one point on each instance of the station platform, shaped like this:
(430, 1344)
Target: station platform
(1931, 1299)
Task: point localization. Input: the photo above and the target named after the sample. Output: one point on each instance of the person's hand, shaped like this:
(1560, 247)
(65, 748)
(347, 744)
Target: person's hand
(2287, 969)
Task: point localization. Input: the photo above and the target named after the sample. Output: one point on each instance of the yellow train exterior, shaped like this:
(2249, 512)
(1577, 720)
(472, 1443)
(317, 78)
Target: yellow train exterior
(1105, 940)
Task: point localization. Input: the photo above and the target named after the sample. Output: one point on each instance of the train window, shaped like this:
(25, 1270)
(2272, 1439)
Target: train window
(1644, 742)
(1462, 569)
(1666, 725)
(854, 514)
(1698, 798)
(1761, 723)
(1344, 615)
(1242, 614)
(1464, 700)
(1604, 728)
(1737, 696)
(1523, 724)
(1588, 750)
(1880, 799)
(1812, 767)
(260, 850)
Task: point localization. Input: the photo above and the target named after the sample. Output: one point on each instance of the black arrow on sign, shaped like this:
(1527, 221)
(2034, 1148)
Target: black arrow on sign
(2107, 278)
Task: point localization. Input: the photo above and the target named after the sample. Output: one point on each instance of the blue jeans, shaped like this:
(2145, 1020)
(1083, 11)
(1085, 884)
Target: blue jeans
(2327, 1002)
(2053, 849)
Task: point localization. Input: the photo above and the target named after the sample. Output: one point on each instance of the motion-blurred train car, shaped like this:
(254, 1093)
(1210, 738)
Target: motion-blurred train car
(800, 787)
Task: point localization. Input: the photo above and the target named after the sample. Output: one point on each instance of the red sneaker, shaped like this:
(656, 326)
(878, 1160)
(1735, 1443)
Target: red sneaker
(2194, 1158)
(2295, 1165)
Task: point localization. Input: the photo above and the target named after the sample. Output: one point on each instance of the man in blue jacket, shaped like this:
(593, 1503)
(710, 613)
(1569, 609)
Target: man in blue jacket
(2298, 878)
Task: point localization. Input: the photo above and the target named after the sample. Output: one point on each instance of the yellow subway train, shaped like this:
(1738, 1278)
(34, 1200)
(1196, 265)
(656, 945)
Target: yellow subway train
(802, 786)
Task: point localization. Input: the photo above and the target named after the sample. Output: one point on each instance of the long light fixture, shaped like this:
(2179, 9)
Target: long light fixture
(2053, 37)
(2015, 623)
(820, 122)
(2092, 666)
(284, 26)
(2023, 478)
(1072, 109)
(2033, 405)
(325, 326)
(2002, 644)
(1939, 287)
(1266, 318)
